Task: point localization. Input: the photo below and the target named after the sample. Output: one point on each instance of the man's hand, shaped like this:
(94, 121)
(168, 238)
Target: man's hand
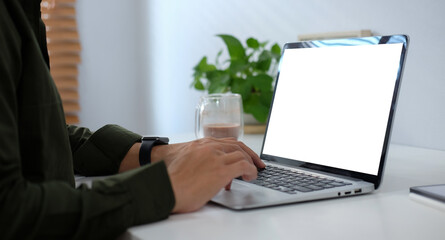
(199, 169)
(170, 152)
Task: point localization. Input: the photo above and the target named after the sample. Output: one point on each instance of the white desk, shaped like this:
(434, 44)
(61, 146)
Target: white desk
(388, 213)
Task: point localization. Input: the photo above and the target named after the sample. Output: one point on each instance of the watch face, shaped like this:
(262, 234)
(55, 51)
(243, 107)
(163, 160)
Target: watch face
(161, 139)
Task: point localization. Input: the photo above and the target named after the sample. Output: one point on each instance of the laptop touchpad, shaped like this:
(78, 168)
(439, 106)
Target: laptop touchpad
(244, 194)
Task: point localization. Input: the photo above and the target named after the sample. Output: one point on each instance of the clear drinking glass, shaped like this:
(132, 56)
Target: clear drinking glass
(219, 116)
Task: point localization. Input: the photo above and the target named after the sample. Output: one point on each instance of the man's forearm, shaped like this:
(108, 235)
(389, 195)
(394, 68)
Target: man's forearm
(131, 159)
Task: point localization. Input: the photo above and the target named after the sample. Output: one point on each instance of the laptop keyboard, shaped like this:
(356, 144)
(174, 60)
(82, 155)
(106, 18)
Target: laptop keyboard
(292, 182)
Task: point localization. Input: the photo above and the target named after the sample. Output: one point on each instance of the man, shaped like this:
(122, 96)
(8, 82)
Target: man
(39, 154)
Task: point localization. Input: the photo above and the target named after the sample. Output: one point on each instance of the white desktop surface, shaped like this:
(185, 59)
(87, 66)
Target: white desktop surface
(388, 213)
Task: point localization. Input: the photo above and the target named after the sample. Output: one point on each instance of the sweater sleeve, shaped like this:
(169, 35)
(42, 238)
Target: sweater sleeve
(104, 211)
(100, 153)
(55, 210)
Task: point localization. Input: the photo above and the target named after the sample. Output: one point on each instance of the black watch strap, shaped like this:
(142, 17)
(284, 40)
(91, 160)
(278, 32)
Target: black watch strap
(147, 144)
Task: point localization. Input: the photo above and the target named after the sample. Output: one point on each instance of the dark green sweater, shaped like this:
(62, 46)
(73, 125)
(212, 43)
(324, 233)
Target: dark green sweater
(39, 153)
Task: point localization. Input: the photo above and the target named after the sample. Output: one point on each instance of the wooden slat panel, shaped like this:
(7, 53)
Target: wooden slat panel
(64, 71)
(71, 119)
(50, 4)
(63, 48)
(65, 82)
(69, 35)
(60, 23)
(58, 47)
(71, 107)
(69, 95)
(65, 1)
(62, 12)
(64, 59)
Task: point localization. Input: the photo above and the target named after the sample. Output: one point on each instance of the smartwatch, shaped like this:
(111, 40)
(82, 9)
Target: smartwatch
(147, 144)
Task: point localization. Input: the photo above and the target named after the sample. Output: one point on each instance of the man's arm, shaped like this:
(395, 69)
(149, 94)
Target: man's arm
(39, 204)
(100, 153)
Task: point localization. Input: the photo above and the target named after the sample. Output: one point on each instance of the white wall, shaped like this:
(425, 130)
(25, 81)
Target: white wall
(112, 73)
(156, 43)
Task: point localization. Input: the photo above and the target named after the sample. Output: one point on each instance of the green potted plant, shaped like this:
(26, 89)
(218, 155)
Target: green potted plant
(249, 71)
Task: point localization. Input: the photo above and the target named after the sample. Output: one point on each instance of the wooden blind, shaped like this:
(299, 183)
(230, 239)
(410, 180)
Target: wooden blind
(64, 52)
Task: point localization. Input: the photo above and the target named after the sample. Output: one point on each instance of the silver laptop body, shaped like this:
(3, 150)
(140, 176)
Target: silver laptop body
(331, 117)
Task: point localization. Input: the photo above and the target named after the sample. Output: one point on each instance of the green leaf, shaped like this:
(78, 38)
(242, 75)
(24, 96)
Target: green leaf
(217, 57)
(198, 85)
(203, 66)
(242, 87)
(238, 65)
(254, 106)
(266, 98)
(264, 61)
(253, 43)
(197, 75)
(234, 46)
(218, 81)
(263, 44)
(258, 104)
(261, 82)
(276, 51)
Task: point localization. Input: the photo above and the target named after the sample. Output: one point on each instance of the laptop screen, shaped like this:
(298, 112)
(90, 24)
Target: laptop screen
(334, 101)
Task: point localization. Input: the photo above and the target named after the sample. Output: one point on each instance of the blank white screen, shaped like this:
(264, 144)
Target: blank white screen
(332, 104)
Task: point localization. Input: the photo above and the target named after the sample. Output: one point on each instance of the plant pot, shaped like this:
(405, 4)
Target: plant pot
(252, 126)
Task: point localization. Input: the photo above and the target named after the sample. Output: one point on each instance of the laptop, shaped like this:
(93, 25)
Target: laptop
(330, 122)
